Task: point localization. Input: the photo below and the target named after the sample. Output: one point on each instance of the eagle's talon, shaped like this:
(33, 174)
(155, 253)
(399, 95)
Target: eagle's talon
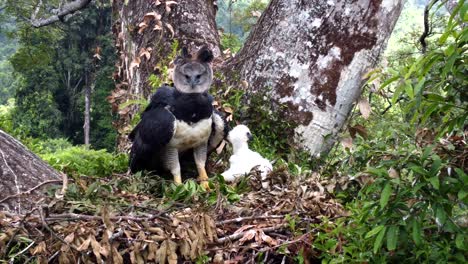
(205, 185)
(177, 180)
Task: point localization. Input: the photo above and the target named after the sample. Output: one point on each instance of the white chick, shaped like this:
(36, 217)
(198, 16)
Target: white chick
(244, 159)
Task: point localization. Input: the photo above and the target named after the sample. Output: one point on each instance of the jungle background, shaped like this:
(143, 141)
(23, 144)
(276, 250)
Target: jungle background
(398, 173)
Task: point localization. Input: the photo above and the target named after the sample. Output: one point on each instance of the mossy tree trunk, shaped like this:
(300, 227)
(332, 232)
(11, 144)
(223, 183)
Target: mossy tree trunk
(147, 32)
(20, 172)
(313, 56)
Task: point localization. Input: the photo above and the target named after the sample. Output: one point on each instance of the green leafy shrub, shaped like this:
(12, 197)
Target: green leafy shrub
(6, 123)
(230, 41)
(83, 161)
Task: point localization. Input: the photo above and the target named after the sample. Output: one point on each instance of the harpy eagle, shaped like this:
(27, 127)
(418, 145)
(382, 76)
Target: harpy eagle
(178, 120)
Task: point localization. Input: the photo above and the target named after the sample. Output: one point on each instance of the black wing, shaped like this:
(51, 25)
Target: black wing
(163, 97)
(219, 130)
(154, 131)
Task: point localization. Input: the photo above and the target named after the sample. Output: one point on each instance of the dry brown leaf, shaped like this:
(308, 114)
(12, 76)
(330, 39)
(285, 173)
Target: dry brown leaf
(69, 239)
(227, 109)
(40, 248)
(229, 118)
(142, 26)
(221, 146)
(135, 63)
(157, 2)
(169, 4)
(144, 52)
(116, 257)
(63, 259)
(85, 245)
(96, 249)
(256, 13)
(249, 235)
(157, 27)
(171, 252)
(244, 84)
(161, 255)
(393, 173)
(152, 15)
(347, 142)
(210, 227)
(152, 250)
(97, 56)
(194, 248)
(359, 129)
(171, 29)
(364, 108)
(156, 230)
(268, 239)
(185, 249)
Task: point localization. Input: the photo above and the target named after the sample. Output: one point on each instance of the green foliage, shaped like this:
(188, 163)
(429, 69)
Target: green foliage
(6, 123)
(413, 203)
(83, 161)
(192, 191)
(236, 18)
(55, 64)
(8, 81)
(231, 42)
(435, 84)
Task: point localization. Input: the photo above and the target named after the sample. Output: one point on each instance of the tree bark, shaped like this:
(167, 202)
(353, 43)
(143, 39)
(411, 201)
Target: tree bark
(145, 35)
(313, 55)
(59, 14)
(87, 114)
(21, 171)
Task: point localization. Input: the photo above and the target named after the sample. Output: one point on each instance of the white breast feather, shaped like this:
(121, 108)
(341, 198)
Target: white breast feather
(188, 136)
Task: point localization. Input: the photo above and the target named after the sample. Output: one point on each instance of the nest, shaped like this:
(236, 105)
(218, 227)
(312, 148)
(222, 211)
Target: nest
(267, 224)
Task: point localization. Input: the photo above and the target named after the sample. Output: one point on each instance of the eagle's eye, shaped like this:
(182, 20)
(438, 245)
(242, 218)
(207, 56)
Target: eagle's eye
(187, 77)
(249, 136)
(198, 76)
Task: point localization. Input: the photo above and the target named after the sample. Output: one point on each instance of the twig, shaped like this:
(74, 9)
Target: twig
(30, 190)
(53, 256)
(72, 217)
(12, 259)
(236, 236)
(52, 232)
(241, 219)
(61, 194)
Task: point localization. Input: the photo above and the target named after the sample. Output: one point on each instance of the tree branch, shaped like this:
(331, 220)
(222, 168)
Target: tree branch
(66, 9)
(427, 29)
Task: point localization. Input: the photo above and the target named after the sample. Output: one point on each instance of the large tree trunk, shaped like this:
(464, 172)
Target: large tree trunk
(314, 54)
(145, 33)
(21, 171)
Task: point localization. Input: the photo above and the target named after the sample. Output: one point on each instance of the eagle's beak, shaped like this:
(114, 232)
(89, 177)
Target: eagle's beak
(249, 137)
(194, 82)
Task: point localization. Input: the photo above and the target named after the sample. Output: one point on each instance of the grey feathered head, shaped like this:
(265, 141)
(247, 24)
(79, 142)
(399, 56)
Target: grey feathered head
(193, 75)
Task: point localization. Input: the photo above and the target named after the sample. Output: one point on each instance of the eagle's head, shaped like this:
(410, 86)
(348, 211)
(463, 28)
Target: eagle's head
(193, 74)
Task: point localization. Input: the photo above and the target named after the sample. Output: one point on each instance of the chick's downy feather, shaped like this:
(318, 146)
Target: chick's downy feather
(243, 159)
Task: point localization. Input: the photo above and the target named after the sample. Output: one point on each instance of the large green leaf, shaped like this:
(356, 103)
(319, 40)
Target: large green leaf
(417, 232)
(379, 240)
(392, 237)
(385, 196)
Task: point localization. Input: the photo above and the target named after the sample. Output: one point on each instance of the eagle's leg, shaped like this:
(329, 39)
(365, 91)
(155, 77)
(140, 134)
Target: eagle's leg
(173, 165)
(199, 154)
